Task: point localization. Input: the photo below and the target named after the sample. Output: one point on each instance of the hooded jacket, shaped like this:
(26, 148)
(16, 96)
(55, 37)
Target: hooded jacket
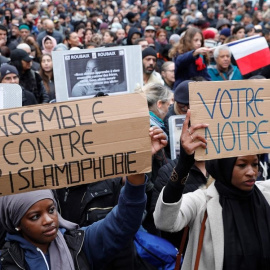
(131, 32)
(15, 250)
(102, 240)
(43, 42)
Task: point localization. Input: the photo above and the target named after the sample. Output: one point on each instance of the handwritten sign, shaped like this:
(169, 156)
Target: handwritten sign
(238, 114)
(64, 144)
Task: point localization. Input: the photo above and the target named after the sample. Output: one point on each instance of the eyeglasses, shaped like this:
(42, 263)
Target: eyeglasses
(182, 107)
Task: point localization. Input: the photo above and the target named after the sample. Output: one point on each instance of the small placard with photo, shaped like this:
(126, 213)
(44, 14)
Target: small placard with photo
(175, 129)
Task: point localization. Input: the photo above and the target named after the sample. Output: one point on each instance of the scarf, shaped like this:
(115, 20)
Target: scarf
(12, 210)
(156, 121)
(246, 220)
(199, 62)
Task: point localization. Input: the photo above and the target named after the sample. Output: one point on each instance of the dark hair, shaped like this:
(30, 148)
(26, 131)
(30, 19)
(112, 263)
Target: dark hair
(5, 51)
(138, 40)
(3, 28)
(44, 77)
(47, 38)
(237, 28)
(91, 44)
(80, 26)
(112, 34)
(34, 44)
(32, 7)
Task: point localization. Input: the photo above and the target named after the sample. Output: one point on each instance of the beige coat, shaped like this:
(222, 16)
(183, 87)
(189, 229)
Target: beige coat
(190, 210)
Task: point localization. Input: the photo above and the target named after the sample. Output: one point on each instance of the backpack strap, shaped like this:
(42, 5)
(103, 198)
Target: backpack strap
(180, 254)
(199, 250)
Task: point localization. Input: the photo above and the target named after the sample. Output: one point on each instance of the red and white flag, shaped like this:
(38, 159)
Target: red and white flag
(250, 53)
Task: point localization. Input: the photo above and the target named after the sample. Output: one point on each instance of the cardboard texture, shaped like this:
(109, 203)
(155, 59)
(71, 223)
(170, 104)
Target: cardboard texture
(77, 142)
(238, 116)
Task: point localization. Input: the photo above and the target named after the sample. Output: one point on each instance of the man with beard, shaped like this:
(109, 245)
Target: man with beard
(149, 59)
(50, 31)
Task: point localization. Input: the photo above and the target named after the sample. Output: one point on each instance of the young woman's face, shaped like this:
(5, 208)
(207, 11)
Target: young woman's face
(46, 63)
(107, 38)
(88, 36)
(40, 224)
(245, 172)
(48, 45)
(89, 25)
(197, 41)
(240, 34)
(162, 37)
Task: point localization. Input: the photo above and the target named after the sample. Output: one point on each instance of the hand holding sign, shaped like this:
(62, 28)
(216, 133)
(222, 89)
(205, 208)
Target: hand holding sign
(190, 139)
(158, 139)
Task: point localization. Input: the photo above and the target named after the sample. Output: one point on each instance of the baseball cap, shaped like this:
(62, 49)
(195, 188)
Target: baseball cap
(55, 19)
(19, 55)
(150, 27)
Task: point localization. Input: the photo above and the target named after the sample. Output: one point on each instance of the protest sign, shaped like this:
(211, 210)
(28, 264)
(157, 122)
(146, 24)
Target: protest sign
(10, 95)
(84, 73)
(175, 130)
(238, 116)
(77, 142)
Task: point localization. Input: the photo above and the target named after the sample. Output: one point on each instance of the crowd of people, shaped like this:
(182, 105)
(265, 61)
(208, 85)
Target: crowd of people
(181, 41)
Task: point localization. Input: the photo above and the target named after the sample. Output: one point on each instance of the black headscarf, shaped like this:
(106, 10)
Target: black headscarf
(246, 220)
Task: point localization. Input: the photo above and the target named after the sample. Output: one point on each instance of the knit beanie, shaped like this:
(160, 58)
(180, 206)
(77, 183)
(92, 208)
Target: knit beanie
(148, 51)
(7, 69)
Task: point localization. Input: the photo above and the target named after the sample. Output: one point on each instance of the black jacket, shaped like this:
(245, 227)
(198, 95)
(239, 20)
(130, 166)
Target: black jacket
(86, 204)
(28, 98)
(12, 255)
(32, 81)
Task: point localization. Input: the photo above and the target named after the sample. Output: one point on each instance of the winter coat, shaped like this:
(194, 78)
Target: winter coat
(28, 98)
(12, 257)
(185, 68)
(86, 204)
(195, 180)
(32, 81)
(131, 32)
(232, 74)
(189, 210)
(103, 239)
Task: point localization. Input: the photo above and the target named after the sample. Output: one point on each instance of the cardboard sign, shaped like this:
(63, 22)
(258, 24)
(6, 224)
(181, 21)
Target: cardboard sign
(72, 143)
(238, 114)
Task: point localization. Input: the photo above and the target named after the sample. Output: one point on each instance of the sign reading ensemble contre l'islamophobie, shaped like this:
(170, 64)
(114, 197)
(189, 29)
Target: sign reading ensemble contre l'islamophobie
(71, 143)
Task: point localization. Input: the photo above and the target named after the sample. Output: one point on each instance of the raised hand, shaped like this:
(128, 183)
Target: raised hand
(190, 139)
(158, 139)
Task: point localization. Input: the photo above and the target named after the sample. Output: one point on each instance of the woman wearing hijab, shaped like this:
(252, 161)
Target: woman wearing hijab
(237, 234)
(48, 44)
(39, 238)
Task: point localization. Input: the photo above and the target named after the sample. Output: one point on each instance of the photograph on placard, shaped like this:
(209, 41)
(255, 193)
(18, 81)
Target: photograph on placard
(93, 72)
